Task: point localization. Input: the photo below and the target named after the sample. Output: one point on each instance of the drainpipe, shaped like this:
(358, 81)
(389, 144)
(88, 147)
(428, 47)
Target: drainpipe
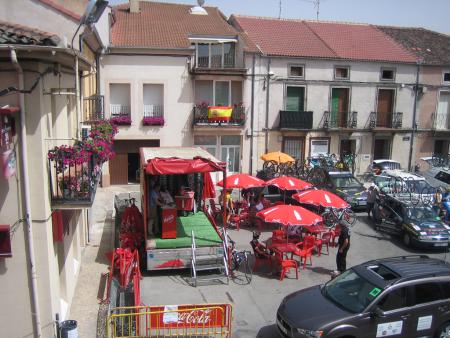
(266, 128)
(252, 113)
(77, 93)
(414, 125)
(26, 191)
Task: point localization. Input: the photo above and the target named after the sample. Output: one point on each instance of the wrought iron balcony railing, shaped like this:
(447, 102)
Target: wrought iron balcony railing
(441, 121)
(117, 110)
(385, 120)
(339, 120)
(73, 183)
(94, 108)
(296, 119)
(151, 110)
(203, 116)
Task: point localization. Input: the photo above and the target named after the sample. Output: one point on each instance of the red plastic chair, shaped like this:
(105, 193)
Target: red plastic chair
(214, 208)
(278, 236)
(305, 250)
(286, 265)
(325, 240)
(261, 258)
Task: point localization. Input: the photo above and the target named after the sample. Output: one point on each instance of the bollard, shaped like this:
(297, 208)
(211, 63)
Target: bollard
(68, 329)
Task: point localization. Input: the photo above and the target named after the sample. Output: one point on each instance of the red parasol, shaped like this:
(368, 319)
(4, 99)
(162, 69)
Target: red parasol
(289, 215)
(241, 181)
(289, 183)
(320, 198)
(208, 187)
(132, 227)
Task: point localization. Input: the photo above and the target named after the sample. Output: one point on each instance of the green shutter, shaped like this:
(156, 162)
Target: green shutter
(295, 97)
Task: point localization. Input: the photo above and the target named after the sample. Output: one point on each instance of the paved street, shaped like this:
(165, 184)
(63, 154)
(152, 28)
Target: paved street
(254, 305)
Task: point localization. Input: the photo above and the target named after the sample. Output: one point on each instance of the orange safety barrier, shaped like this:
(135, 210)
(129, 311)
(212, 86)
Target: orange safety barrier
(192, 320)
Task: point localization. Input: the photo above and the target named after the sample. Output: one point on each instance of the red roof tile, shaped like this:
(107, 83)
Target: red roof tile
(322, 39)
(165, 25)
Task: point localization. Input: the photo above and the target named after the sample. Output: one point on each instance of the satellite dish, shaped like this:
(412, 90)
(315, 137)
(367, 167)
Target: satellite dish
(201, 2)
(94, 11)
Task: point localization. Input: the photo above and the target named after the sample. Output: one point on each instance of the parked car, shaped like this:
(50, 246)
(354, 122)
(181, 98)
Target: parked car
(401, 182)
(418, 225)
(401, 296)
(342, 183)
(438, 177)
(382, 165)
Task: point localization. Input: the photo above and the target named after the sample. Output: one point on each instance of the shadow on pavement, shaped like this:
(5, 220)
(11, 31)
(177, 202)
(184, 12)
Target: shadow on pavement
(105, 242)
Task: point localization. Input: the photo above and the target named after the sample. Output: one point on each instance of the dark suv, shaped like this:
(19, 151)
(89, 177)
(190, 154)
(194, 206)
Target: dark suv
(401, 297)
(342, 183)
(418, 225)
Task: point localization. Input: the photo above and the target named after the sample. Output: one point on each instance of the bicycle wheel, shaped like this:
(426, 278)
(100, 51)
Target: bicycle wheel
(247, 269)
(329, 219)
(350, 217)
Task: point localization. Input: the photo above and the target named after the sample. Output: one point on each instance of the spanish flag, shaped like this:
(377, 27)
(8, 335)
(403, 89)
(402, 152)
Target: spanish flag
(219, 113)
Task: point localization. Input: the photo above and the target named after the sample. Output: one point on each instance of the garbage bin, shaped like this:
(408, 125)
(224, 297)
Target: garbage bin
(68, 329)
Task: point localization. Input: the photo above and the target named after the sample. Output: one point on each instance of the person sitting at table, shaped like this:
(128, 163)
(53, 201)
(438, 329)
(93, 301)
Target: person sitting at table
(259, 249)
(165, 196)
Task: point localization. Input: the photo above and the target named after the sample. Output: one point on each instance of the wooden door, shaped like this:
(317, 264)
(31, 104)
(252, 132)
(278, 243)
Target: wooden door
(118, 169)
(339, 107)
(295, 98)
(385, 107)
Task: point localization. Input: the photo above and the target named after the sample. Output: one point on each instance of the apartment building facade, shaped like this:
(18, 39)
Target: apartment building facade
(330, 88)
(44, 227)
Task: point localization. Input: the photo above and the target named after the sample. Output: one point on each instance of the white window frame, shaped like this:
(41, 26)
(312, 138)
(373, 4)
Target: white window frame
(229, 91)
(312, 140)
(443, 77)
(209, 51)
(394, 73)
(296, 76)
(342, 78)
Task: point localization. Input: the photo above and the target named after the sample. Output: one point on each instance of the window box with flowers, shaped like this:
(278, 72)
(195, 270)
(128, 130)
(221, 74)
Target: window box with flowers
(123, 120)
(153, 121)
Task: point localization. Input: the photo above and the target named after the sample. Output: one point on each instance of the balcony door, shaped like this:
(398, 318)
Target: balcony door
(295, 98)
(222, 93)
(385, 107)
(339, 107)
(230, 150)
(443, 115)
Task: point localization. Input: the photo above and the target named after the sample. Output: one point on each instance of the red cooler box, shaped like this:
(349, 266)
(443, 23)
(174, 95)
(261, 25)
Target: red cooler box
(169, 222)
(185, 202)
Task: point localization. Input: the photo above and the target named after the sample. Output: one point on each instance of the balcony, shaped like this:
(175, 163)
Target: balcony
(385, 120)
(94, 108)
(73, 183)
(296, 119)
(208, 116)
(120, 114)
(346, 120)
(441, 121)
(153, 115)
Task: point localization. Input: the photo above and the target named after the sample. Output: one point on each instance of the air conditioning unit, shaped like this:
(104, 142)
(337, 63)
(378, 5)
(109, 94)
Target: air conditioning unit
(85, 130)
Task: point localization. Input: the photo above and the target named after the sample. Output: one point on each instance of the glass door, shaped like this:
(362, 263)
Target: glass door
(230, 150)
(222, 93)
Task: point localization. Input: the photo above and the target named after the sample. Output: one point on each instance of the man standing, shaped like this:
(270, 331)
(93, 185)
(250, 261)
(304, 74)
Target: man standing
(154, 201)
(371, 198)
(343, 246)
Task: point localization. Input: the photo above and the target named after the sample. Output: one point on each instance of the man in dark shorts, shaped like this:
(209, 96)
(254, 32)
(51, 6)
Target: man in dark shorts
(343, 246)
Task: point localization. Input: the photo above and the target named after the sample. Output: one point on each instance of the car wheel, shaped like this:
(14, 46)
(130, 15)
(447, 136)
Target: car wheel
(444, 331)
(406, 239)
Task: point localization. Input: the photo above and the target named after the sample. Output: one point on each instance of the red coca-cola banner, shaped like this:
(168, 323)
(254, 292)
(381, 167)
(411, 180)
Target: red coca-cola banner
(189, 316)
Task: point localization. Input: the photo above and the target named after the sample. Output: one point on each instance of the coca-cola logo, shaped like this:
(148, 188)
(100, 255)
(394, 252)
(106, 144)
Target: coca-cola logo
(169, 219)
(195, 317)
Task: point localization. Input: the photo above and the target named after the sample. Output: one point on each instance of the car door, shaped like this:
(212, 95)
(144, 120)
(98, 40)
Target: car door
(388, 317)
(430, 308)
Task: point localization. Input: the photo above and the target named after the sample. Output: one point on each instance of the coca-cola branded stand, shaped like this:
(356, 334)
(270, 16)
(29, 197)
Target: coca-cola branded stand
(173, 250)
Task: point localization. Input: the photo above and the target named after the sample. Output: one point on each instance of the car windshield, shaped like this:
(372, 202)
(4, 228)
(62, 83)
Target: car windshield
(345, 182)
(350, 291)
(421, 214)
(419, 186)
(443, 177)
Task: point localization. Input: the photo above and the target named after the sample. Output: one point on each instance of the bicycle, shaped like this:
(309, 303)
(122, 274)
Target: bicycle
(238, 259)
(333, 216)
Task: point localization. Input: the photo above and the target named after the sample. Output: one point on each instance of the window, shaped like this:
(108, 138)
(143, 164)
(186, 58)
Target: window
(427, 292)
(216, 55)
(387, 74)
(209, 143)
(230, 149)
(295, 98)
(293, 146)
(396, 299)
(296, 71)
(342, 73)
(446, 77)
(319, 147)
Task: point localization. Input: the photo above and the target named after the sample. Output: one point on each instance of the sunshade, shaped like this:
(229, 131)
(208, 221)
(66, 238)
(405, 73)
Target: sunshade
(320, 198)
(289, 215)
(208, 186)
(278, 157)
(289, 183)
(241, 181)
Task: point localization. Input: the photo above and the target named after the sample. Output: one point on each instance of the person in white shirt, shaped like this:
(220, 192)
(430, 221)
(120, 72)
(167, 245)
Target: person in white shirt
(165, 196)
